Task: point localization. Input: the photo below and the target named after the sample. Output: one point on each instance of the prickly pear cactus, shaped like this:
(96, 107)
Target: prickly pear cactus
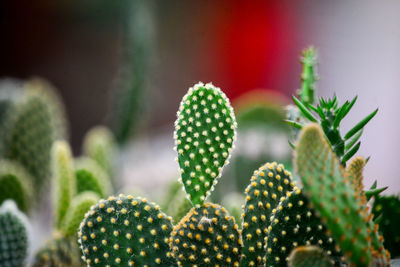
(204, 136)
(206, 236)
(14, 239)
(64, 179)
(15, 184)
(332, 195)
(60, 252)
(79, 206)
(91, 177)
(309, 256)
(269, 185)
(126, 231)
(294, 224)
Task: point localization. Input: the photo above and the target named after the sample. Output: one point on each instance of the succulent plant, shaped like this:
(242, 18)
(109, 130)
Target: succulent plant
(308, 76)
(309, 256)
(204, 136)
(14, 236)
(128, 231)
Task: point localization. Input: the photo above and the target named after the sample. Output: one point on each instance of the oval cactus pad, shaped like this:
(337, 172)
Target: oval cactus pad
(204, 136)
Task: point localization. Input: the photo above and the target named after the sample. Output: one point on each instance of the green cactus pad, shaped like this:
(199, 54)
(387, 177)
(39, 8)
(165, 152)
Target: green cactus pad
(15, 184)
(294, 224)
(30, 129)
(99, 144)
(64, 179)
(204, 136)
(14, 241)
(329, 189)
(126, 231)
(269, 185)
(206, 236)
(79, 206)
(91, 177)
(307, 256)
(59, 252)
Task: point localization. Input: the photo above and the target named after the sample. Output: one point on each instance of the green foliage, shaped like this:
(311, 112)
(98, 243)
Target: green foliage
(309, 256)
(79, 206)
(91, 177)
(64, 180)
(206, 236)
(294, 224)
(14, 239)
(308, 76)
(15, 184)
(31, 126)
(204, 136)
(99, 144)
(269, 185)
(10, 93)
(59, 252)
(126, 230)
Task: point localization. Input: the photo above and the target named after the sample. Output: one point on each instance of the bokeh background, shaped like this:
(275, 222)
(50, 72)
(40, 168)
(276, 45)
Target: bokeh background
(85, 47)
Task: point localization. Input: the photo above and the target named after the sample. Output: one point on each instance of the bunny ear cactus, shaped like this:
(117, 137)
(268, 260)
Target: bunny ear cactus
(309, 256)
(269, 185)
(126, 231)
(204, 137)
(15, 184)
(14, 239)
(206, 236)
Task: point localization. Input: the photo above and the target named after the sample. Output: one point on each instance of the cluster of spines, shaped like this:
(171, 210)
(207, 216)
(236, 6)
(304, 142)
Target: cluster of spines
(268, 187)
(206, 236)
(306, 256)
(126, 231)
(293, 224)
(205, 131)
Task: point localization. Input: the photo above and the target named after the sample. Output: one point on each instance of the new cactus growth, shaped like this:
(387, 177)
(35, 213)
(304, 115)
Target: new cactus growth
(204, 136)
(294, 224)
(309, 256)
(269, 185)
(15, 184)
(206, 236)
(14, 239)
(126, 231)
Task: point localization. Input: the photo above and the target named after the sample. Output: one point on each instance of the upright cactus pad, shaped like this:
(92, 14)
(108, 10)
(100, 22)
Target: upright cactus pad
(60, 252)
(329, 189)
(204, 136)
(269, 185)
(126, 231)
(206, 236)
(294, 224)
(309, 256)
(15, 184)
(64, 179)
(14, 240)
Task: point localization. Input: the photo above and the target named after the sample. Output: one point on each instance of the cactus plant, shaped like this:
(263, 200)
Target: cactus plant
(15, 184)
(268, 186)
(308, 76)
(204, 136)
(206, 236)
(14, 236)
(126, 230)
(10, 93)
(309, 256)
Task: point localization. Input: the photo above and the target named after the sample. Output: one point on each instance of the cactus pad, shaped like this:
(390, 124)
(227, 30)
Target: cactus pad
(329, 189)
(14, 242)
(294, 224)
(126, 231)
(269, 185)
(309, 256)
(206, 236)
(204, 136)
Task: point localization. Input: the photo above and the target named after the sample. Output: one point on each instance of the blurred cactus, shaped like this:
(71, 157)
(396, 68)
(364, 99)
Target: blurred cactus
(206, 236)
(15, 184)
(309, 256)
(176, 204)
(59, 252)
(204, 136)
(14, 236)
(233, 202)
(308, 76)
(91, 177)
(10, 93)
(29, 129)
(125, 230)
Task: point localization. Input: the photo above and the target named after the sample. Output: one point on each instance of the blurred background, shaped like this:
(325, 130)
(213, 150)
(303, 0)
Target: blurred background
(90, 49)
